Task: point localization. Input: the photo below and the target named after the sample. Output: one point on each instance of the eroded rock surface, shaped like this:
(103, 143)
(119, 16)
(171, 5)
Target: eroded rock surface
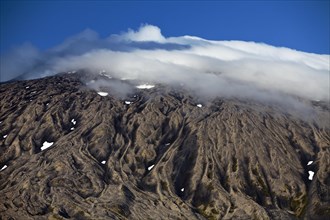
(160, 156)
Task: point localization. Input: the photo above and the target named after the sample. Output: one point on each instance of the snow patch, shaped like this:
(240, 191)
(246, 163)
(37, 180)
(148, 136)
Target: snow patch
(311, 175)
(4, 167)
(199, 105)
(309, 162)
(5, 136)
(167, 144)
(182, 189)
(128, 102)
(149, 168)
(0, 122)
(145, 86)
(46, 145)
(27, 87)
(73, 121)
(103, 162)
(102, 93)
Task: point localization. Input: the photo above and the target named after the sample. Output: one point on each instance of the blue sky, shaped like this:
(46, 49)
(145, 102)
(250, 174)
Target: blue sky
(301, 25)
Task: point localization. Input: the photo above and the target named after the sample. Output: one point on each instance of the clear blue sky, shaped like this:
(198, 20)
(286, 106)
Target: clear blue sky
(301, 25)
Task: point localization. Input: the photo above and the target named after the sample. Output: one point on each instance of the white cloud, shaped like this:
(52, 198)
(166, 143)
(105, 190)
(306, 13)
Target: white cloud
(145, 33)
(210, 68)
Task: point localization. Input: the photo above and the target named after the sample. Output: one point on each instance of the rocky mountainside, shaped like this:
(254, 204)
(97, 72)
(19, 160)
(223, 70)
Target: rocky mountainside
(67, 152)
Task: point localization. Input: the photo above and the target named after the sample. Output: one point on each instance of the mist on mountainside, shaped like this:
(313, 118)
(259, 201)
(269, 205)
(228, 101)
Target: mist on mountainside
(238, 69)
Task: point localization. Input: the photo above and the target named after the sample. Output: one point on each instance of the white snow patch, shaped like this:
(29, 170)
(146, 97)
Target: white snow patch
(4, 167)
(128, 102)
(27, 87)
(199, 105)
(73, 121)
(145, 86)
(311, 174)
(34, 92)
(149, 168)
(102, 93)
(0, 122)
(182, 189)
(47, 103)
(5, 136)
(167, 144)
(309, 162)
(46, 145)
(103, 162)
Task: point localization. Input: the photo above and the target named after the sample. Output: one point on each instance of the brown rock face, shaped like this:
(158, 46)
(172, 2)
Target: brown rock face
(160, 157)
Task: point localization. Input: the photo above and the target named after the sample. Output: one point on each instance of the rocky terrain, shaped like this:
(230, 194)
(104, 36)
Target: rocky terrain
(67, 152)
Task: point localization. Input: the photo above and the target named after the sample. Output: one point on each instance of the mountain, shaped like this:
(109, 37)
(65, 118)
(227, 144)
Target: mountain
(67, 152)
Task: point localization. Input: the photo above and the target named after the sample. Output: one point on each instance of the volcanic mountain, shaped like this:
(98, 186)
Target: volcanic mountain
(70, 152)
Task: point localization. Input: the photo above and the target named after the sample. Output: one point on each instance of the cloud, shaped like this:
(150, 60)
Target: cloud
(115, 87)
(145, 33)
(208, 68)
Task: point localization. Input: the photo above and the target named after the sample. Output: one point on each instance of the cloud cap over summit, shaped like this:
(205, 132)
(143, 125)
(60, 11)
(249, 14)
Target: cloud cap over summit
(213, 68)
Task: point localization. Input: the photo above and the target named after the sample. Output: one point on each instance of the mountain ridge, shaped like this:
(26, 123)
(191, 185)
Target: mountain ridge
(165, 157)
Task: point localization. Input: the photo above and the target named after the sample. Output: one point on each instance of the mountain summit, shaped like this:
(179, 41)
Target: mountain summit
(156, 152)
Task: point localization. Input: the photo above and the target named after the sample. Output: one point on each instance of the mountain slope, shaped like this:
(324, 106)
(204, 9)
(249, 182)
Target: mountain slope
(159, 157)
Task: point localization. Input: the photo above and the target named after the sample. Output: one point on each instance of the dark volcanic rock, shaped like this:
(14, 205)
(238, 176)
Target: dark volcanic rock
(165, 158)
